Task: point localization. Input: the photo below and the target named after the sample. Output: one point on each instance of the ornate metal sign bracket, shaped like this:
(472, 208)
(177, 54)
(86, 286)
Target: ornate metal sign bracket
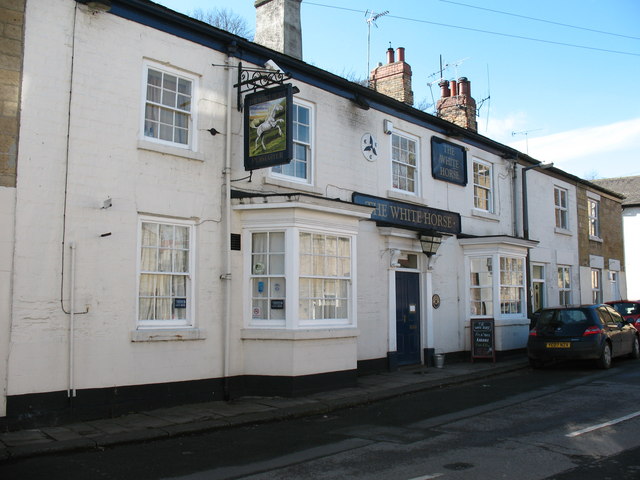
(254, 79)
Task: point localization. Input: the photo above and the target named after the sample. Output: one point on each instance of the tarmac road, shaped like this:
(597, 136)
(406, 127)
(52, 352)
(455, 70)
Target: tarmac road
(565, 420)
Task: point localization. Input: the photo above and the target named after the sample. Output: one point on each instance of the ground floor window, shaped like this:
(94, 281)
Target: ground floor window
(564, 285)
(596, 285)
(538, 290)
(165, 273)
(505, 288)
(511, 285)
(315, 267)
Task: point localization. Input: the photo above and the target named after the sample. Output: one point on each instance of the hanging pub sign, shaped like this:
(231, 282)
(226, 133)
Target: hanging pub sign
(448, 161)
(268, 121)
(408, 215)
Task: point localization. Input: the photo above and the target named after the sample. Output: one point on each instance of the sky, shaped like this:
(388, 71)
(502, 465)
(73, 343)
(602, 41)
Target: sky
(557, 79)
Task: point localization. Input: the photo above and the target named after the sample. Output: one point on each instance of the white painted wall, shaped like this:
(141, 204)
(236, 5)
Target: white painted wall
(7, 219)
(631, 226)
(105, 158)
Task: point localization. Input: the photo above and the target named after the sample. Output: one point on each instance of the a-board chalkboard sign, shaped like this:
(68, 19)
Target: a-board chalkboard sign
(483, 339)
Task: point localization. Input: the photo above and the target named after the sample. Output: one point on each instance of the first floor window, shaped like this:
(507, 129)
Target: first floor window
(594, 218)
(596, 285)
(564, 285)
(300, 165)
(482, 186)
(168, 107)
(164, 286)
(404, 163)
(560, 200)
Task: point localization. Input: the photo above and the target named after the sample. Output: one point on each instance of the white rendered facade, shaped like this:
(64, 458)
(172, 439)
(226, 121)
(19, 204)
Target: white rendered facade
(125, 271)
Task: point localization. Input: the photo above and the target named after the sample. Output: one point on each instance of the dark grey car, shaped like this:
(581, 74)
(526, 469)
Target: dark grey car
(585, 332)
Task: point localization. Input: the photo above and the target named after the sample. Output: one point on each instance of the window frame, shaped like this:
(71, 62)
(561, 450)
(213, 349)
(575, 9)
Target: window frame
(477, 186)
(294, 276)
(393, 162)
(538, 280)
(564, 288)
(189, 275)
(596, 285)
(192, 124)
(278, 171)
(593, 215)
(561, 211)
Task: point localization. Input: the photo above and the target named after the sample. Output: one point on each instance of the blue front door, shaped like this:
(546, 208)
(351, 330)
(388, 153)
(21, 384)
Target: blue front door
(408, 317)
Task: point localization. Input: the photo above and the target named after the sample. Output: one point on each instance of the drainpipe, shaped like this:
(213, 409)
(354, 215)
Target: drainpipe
(227, 231)
(71, 391)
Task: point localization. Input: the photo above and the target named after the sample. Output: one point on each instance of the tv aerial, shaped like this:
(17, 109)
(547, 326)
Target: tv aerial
(371, 19)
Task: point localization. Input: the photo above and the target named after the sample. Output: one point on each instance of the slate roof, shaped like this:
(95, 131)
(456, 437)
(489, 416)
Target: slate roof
(627, 186)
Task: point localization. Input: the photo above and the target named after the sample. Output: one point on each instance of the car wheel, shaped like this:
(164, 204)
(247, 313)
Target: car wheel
(535, 363)
(635, 349)
(605, 358)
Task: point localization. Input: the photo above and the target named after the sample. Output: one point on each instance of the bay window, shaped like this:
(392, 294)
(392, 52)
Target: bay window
(315, 268)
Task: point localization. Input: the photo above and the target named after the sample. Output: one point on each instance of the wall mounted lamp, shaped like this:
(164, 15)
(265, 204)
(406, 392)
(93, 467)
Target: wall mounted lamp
(430, 242)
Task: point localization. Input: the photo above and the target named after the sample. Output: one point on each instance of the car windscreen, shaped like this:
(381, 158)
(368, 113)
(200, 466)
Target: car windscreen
(626, 308)
(570, 321)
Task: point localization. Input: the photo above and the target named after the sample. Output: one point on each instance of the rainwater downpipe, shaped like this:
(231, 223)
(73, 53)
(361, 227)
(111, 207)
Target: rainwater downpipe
(227, 231)
(71, 391)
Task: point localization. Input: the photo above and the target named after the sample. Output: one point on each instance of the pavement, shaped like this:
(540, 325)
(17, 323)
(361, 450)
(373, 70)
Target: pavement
(202, 417)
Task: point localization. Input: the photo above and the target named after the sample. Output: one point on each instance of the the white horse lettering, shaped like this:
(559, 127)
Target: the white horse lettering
(269, 124)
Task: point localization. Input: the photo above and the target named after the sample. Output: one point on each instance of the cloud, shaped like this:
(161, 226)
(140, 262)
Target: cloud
(609, 150)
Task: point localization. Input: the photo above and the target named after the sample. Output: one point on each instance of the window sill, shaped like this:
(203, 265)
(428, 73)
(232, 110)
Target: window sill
(563, 231)
(408, 197)
(293, 184)
(303, 334)
(595, 239)
(167, 334)
(485, 215)
(169, 150)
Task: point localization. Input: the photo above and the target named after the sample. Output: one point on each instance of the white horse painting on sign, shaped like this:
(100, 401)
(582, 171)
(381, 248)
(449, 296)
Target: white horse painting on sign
(265, 122)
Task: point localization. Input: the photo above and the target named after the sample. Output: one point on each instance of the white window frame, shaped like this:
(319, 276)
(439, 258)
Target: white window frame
(561, 210)
(593, 212)
(500, 288)
(596, 285)
(564, 287)
(541, 280)
(405, 165)
(189, 321)
(280, 170)
(192, 126)
(484, 188)
(293, 278)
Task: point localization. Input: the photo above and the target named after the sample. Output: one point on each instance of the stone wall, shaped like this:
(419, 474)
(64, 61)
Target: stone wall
(11, 53)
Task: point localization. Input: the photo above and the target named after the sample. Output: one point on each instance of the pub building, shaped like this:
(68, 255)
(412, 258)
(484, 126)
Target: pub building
(246, 223)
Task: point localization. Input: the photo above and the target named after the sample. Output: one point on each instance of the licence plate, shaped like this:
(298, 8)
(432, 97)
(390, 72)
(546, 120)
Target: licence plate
(558, 345)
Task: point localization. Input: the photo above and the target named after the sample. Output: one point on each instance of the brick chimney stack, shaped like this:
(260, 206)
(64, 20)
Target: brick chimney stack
(394, 78)
(278, 26)
(456, 104)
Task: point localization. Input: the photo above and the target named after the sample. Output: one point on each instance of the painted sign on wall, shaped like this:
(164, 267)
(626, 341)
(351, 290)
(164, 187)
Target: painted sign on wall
(414, 217)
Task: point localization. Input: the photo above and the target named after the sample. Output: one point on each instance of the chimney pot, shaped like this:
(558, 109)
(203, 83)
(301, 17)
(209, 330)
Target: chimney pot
(390, 55)
(465, 86)
(444, 88)
(454, 88)
(400, 52)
